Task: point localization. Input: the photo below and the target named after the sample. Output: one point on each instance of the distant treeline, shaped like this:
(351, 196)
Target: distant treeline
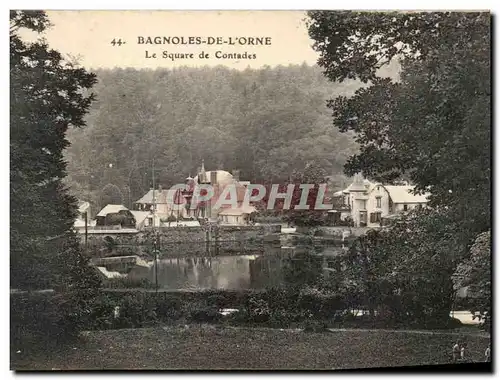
(266, 123)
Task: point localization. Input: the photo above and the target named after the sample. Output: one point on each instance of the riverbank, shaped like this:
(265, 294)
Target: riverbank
(205, 347)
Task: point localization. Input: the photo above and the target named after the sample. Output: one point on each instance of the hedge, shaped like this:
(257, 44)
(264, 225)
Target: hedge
(311, 309)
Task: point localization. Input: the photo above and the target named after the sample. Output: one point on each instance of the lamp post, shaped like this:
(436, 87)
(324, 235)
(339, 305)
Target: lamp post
(155, 250)
(156, 235)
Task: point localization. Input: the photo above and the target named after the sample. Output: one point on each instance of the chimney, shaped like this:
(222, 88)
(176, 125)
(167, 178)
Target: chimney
(236, 175)
(213, 177)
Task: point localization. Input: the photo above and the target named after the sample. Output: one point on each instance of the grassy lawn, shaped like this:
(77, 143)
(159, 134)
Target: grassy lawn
(210, 347)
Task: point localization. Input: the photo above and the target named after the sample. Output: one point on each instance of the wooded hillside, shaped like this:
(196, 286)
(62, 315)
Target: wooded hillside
(265, 122)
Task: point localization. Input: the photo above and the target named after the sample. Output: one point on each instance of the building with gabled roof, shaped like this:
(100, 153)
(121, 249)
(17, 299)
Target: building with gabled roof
(213, 208)
(111, 209)
(164, 206)
(239, 215)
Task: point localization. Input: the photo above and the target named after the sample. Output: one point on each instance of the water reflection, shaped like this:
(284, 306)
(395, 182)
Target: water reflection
(255, 271)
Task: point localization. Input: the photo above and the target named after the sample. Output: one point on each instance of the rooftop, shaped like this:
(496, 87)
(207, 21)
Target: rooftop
(160, 195)
(238, 211)
(403, 194)
(110, 209)
(140, 215)
(223, 177)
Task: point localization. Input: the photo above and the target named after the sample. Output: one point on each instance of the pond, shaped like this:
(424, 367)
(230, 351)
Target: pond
(225, 271)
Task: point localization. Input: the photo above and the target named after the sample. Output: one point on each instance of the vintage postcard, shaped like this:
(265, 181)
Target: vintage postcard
(248, 190)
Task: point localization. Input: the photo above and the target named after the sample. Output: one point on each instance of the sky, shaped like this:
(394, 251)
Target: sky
(88, 36)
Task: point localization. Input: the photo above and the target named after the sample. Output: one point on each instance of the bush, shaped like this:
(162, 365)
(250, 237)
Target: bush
(130, 283)
(319, 233)
(136, 312)
(138, 309)
(201, 312)
(486, 324)
(311, 325)
(169, 308)
(258, 310)
(280, 318)
(102, 313)
(342, 316)
(449, 323)
(40, 319)
(223, 298)
(276, 307)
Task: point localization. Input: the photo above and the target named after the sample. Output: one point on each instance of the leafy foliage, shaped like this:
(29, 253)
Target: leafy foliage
(433, 125)
(475, 273)
(430, 126)
(303, 269)
(312, 174)
(403, 272)
(48, 95)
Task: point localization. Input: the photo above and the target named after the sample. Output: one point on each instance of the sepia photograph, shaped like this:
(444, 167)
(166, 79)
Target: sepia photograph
(248, 190)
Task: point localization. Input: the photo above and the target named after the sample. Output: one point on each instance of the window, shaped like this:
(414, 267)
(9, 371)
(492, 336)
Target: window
(379, 202)
(405, 207)
(362, 218)
(363, 204)
(375, 217)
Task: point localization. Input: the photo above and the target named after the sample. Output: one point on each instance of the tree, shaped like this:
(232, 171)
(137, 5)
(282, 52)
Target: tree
(365, 269)
(431, 125)
(424, 250)
(48, 95)
(475, 273)
(312, 174)
(406, 268)
(111, 194)
(303, 269)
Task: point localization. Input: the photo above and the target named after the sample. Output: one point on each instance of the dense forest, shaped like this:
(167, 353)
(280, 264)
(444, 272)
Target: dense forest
(266, 123)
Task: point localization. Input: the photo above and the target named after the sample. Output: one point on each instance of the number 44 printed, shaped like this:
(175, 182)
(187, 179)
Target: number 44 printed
(118, 42)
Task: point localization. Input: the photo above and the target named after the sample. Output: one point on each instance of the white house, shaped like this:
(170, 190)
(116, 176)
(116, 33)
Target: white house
(367, 202)
(164, 205)
(236, 216)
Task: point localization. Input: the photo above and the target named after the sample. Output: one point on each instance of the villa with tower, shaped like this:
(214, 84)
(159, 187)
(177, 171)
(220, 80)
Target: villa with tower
(219, 180)
(367, 203)
(183, 205)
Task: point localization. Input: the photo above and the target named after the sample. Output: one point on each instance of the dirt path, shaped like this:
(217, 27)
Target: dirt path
(481, 334)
